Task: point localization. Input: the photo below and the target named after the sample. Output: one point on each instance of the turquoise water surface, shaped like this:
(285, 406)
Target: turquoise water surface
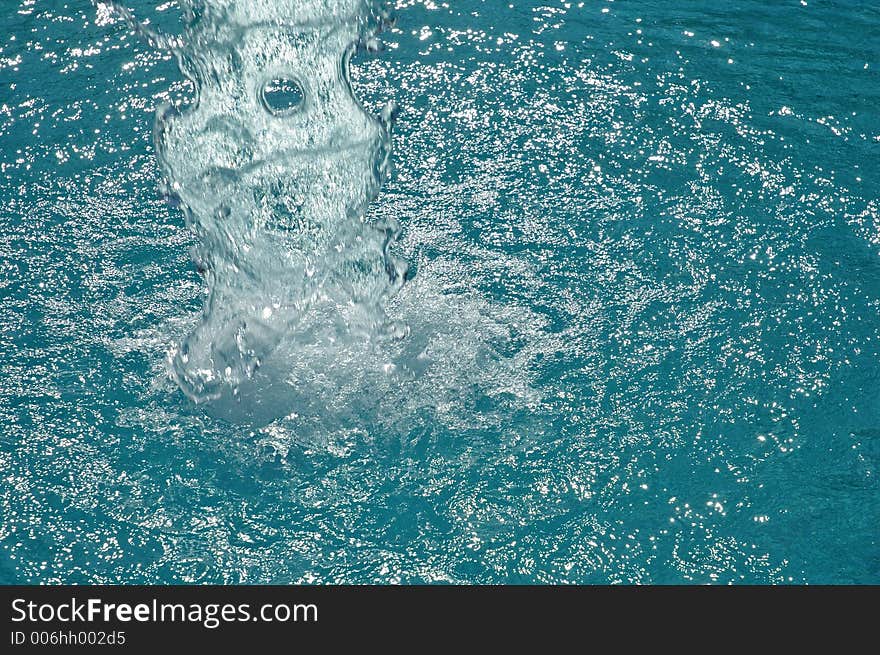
(638, 339)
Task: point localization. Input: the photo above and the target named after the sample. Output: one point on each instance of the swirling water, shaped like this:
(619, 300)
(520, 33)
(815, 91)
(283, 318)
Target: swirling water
(638, 340)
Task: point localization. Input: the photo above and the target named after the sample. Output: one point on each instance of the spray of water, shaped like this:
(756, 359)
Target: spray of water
(274, 165)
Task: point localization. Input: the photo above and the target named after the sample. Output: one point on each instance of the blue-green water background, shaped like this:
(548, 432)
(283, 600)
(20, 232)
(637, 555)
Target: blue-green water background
(682, 196)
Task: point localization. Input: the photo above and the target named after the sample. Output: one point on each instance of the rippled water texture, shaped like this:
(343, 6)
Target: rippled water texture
(639, 342)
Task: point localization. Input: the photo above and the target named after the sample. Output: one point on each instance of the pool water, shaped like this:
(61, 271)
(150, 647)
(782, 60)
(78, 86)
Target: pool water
(642, 334)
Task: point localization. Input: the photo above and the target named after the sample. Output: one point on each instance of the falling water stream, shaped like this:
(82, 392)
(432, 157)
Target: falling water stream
(276, 195)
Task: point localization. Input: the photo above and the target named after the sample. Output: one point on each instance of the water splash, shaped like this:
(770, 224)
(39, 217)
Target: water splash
(274, 165)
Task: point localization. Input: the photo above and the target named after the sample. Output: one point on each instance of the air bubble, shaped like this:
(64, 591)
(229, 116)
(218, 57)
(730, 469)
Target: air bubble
(282, 96)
